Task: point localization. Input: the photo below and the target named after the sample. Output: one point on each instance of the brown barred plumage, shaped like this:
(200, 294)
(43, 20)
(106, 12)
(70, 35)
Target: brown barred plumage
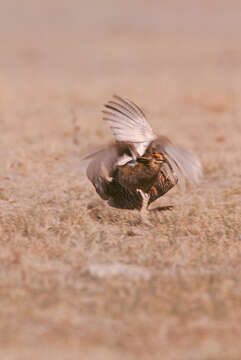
(140, 167)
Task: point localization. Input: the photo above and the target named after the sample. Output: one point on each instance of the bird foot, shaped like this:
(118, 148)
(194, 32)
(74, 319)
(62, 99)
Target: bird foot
(144, 218)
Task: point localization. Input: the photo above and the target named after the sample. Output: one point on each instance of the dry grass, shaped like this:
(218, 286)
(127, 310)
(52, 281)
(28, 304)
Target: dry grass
(79, 279)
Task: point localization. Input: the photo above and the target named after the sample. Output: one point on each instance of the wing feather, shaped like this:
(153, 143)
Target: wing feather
(128, 122)
(188, 164)
(182, 162)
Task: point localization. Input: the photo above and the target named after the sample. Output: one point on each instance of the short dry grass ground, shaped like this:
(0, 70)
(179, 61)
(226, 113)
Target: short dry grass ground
(79, 279)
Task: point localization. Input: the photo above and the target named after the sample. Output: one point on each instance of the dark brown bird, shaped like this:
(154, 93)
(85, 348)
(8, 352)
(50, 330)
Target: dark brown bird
(140, 166)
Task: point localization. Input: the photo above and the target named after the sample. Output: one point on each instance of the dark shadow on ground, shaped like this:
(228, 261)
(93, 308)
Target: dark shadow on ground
(162, 208)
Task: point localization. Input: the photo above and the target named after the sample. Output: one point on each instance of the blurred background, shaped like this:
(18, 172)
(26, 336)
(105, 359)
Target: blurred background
(154, 52)
(159, 54)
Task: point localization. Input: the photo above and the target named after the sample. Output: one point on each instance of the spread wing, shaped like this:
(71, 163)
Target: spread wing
(128, 123)
(107, 157)
(182, 162)
(103, 163)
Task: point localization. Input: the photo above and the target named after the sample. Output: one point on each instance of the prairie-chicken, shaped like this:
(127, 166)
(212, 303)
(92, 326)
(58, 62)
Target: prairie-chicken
(140, 166)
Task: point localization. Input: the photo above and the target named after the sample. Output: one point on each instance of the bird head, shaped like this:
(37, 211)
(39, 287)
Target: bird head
(154, 158)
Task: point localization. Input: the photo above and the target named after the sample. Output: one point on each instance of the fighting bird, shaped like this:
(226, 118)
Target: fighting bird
(140, 166)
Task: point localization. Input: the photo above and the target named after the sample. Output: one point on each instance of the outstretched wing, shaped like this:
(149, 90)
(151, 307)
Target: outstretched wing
(182, 162)
(128, 123)
(102, 165)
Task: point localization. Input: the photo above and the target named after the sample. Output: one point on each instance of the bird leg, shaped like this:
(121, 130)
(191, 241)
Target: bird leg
(144, 207)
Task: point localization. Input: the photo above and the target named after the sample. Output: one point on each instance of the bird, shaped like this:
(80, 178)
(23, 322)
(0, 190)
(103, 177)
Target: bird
(140, 166)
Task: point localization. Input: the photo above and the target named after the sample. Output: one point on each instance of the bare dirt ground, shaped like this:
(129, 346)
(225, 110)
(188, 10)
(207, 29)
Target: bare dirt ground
(80, 280)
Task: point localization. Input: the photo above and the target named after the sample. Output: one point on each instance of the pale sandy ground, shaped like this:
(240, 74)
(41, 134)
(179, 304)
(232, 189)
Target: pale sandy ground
(80, 280)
